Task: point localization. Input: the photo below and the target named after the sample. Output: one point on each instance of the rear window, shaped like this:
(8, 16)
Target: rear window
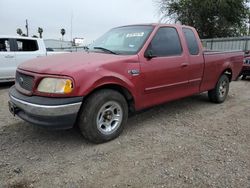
(26, 45)
(191, 41)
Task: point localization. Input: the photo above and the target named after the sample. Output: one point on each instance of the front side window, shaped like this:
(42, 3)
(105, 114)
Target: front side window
(4, 45)
(126, 40)
(166, 42)
(191, 41)
(26, 45)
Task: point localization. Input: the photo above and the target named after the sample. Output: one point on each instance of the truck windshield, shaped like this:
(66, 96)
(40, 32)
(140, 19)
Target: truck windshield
(126, 40)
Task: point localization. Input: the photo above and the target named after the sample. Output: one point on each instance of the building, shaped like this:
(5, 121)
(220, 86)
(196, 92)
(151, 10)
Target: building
(57, 44)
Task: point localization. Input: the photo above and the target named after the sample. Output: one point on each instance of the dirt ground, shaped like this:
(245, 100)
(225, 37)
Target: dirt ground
(185, 143)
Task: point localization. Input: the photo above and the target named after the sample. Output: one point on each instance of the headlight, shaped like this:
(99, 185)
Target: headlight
(55, 85)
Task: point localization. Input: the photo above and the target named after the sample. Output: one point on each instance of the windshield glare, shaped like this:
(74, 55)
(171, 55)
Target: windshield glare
(123, 40)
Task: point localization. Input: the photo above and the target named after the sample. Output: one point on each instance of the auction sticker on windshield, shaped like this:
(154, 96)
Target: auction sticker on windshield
(141, 34)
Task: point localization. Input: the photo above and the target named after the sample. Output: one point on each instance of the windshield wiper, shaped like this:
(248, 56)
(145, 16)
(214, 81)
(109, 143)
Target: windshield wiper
(105, 49)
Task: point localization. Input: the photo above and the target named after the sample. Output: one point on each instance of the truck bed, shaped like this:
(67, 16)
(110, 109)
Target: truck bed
(218, 61)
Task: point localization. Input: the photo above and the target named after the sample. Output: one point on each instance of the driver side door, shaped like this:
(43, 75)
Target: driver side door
(165, 73)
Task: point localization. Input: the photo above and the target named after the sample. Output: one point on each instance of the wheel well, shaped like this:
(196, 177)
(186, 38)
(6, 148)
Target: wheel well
(127, 95)
(228, 73)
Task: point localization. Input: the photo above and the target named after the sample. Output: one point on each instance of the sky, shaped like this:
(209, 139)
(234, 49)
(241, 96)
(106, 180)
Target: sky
(90, 18)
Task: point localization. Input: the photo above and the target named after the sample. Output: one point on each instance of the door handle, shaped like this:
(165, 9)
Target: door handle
(184, 64)
(9, 56)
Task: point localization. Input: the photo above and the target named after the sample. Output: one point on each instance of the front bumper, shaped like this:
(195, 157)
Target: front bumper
(56, 113)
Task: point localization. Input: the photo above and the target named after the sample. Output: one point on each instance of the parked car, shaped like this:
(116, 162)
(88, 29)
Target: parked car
(245, 72)
(128, 69)
(14, 50)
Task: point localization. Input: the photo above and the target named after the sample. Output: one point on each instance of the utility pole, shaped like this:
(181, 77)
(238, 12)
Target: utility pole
(27, 27)
(71, 27)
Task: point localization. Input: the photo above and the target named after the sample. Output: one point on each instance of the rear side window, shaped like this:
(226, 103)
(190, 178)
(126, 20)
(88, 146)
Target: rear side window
(166, 42)
(191, 41)
(26, 45)
(4, 45)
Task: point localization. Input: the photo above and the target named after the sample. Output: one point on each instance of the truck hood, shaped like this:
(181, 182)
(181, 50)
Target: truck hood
(71, 63)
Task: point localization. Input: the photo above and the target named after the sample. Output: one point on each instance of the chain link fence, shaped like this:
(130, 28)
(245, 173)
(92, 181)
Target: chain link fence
(227, 44)
(68, 49)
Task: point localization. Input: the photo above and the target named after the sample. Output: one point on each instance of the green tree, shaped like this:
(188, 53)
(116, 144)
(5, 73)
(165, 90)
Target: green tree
(19, 31)
(211, 18)
(63, 32)
(40, 31)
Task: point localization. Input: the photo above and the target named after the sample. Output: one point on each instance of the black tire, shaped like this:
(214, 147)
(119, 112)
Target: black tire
(220, 92)
(88, 118)
(244, 77)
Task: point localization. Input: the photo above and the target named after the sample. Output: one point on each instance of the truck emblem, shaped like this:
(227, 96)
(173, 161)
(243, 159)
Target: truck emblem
(21, 80)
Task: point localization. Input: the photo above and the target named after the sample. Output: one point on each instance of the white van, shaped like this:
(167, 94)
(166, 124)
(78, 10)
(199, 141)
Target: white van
(15, 50)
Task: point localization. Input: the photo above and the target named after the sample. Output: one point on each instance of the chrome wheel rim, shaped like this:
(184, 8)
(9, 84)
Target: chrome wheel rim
(109, 117)
(223, 89)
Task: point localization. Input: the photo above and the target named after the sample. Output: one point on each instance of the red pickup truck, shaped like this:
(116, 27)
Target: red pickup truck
(127, 69)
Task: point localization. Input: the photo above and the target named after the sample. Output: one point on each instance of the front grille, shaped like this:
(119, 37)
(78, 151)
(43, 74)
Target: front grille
(24, 81)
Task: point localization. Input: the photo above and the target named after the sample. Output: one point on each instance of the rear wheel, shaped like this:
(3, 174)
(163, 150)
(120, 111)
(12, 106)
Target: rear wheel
(243, 77)
(220, 92)
(103, 116)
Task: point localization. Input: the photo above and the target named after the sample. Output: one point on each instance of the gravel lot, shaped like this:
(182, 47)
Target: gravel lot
(185, 143)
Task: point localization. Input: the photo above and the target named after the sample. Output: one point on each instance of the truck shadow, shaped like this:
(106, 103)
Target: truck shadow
(6, 85)
(246, 79)
(28, 133)
(181, 106)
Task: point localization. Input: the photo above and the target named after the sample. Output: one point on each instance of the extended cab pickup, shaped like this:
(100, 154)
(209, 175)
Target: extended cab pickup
(14, 50)
(128, 69)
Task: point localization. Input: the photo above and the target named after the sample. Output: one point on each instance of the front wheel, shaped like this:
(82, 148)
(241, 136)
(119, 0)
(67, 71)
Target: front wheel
(220, 92)
(103, 116)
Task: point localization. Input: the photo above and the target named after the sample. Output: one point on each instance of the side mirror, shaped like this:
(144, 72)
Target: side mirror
(149, 54)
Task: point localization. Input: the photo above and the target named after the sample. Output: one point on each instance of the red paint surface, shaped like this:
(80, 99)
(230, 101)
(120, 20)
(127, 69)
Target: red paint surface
(160, 80)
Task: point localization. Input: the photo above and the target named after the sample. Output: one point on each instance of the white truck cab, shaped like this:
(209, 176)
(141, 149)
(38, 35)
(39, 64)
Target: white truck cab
(15, 50)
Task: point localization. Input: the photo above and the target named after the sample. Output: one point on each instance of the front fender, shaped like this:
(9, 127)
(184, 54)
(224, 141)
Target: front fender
(114, 79)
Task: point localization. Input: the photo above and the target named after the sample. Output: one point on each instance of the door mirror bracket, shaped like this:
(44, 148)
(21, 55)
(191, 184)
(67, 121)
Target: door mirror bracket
(149, 54)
